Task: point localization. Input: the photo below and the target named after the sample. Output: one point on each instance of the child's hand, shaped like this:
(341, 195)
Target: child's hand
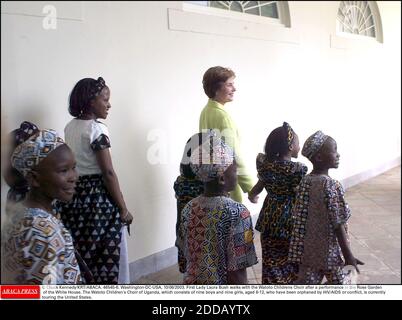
(352, 261)
(253, 198)
(126, 217)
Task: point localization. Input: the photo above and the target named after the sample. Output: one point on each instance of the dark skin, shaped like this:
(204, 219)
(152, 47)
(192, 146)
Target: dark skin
(221, 187)
(53, 178)
(326, 158)
(292, 152)
(99, 109)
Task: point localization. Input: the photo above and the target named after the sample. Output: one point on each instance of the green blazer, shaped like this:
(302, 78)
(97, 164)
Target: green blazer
(214, 116)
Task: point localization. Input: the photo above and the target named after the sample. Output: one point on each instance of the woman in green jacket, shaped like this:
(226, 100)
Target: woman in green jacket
(218, 83)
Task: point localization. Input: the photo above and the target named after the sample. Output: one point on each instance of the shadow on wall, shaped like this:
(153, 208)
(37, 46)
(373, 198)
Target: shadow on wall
(30, 114)
(139, 180)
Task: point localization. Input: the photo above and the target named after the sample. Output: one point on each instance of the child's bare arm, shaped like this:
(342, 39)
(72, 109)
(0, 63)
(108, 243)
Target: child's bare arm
(237, 277)
(255, 191)
(112, 184)
(343, 243)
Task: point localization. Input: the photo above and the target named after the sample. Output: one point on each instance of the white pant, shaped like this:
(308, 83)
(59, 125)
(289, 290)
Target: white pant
(124, 270)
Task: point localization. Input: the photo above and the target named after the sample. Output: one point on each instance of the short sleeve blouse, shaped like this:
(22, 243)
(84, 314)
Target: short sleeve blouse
(85, 137)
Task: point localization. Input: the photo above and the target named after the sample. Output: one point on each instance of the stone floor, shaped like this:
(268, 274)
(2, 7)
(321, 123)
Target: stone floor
(375, 232)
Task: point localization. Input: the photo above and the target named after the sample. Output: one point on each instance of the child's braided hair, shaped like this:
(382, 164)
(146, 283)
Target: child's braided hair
(83, 92)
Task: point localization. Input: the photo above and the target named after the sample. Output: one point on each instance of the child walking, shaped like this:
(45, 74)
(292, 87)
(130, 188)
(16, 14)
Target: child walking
(280, 177)
(319, 236)
(216, 232)
(187, 186)
(97, 216)
(36, 247)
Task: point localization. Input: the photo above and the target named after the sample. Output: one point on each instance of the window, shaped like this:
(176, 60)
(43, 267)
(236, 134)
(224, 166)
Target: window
(259, 8)
(273, 11)
(260, 20)
(359, 18)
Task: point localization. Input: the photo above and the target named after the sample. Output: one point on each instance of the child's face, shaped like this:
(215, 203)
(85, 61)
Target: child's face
(329, 155)
(295, 146)
(230, 176)
(56, 175)
(100, 105)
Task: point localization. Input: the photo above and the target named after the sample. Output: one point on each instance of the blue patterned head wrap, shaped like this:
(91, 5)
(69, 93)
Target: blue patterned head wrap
(31, 152)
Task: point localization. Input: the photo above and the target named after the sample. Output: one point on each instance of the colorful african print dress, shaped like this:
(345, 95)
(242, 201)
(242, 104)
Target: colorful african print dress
(91, 216)
(37, 249)
(185, 189)
(216, 236)
(280, 179)
(319, 209)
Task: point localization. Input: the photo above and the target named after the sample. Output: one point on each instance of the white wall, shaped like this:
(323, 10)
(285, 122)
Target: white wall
(155, 75)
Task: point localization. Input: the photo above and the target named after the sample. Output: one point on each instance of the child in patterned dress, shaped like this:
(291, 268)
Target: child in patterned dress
(97, 216)
(216, 232)
(187, 186)
(280, 177)
(319, 237)
(36, 247)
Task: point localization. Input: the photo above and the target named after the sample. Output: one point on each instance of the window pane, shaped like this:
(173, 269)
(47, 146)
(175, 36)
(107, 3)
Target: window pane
(236, 6)
(219, 4)
(259, 8)
(357, 18)
(269, 10)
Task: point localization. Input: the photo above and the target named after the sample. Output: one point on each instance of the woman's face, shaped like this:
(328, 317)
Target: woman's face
(225, 92)
(100, 105)
(56, 175)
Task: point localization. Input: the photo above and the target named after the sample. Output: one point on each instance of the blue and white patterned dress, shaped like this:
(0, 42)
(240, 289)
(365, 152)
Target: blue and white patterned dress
(37, 249)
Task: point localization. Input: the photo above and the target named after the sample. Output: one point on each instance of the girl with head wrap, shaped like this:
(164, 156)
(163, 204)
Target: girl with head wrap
(279, 175)
(97, 216)
(215, 232)
(320, 214)
(18, 185)
(36, 247)
(187, 186)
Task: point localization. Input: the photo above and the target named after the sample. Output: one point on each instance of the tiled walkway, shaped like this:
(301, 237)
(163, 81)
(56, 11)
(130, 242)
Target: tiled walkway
(375, 232)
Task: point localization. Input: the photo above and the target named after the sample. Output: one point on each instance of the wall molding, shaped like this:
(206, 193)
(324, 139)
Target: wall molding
(152, 263)
(368, 174)
(350, 42)
(65, 10)
(179, 20)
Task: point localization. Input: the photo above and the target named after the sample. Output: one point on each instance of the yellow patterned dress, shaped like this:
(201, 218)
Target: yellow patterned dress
(280, 179)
